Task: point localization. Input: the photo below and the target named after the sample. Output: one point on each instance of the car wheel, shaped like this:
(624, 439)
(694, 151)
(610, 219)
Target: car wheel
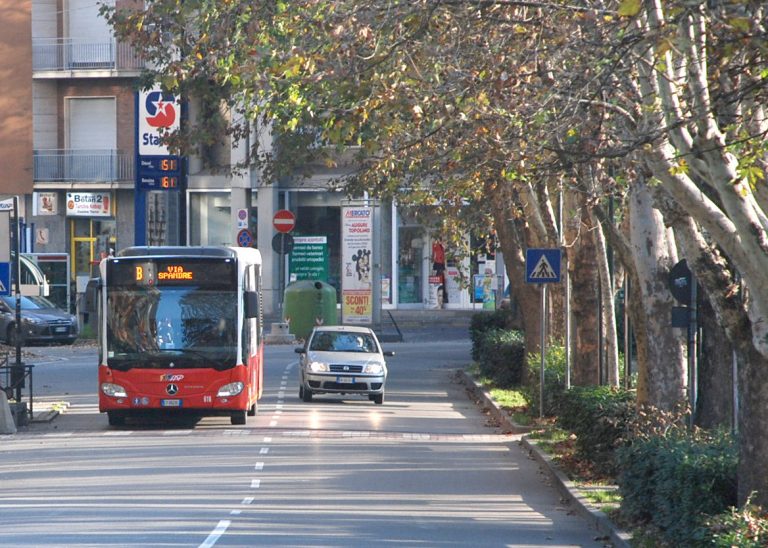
(306, 395)
(253, 410)
(115, 419)
(378, 399)
(238, 417)
(301, 391)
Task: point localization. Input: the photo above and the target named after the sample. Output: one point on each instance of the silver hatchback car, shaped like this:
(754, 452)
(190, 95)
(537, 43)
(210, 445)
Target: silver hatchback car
(342, 359)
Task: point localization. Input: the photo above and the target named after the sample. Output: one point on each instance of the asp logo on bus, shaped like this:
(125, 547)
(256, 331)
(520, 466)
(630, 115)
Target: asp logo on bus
(158, 111)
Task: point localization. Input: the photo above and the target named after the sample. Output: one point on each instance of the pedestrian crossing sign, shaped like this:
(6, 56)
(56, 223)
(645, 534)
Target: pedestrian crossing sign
(542, 266)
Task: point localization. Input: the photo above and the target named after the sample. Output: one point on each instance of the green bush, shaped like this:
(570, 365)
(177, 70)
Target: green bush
(746, 527)
(554, 379)
(483, 322)
(501, 356)
(601, 417)
(676, 481)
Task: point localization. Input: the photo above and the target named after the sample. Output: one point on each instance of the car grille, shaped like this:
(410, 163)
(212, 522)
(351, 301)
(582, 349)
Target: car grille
(340, 368)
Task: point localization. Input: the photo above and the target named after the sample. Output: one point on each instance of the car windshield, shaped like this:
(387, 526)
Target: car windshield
(186, 326)
(29, 303)
(342, 341)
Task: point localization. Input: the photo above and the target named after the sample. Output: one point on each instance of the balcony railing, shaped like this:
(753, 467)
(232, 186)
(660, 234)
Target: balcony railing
(54, 54)
(68, 165)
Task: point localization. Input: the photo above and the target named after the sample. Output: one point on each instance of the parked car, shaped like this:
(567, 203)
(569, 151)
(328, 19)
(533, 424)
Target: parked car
(41, 321)
(342, 359)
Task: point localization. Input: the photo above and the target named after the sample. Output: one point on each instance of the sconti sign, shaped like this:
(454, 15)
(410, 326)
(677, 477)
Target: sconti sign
(158, 112)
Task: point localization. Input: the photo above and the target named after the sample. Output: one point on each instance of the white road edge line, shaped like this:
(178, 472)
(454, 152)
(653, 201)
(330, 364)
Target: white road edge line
(220, 529)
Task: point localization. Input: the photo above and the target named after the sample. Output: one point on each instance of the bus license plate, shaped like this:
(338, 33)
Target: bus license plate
(345, 380)
(170, 403)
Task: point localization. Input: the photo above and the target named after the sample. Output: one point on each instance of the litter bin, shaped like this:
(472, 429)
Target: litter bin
(308, 303)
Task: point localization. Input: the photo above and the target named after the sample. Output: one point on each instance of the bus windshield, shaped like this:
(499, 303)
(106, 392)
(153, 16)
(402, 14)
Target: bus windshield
(183, 326)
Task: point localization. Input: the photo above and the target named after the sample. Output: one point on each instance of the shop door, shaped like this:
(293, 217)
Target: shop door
(91, 241)
(410, 265)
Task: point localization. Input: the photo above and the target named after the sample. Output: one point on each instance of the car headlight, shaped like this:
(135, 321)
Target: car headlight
(317, 367)
(114, 390)
(231, 389)
(374, 369)
(33, 321)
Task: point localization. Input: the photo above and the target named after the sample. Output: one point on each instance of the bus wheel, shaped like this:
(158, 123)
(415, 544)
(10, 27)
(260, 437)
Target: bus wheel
(252, 410)
(115, 419)
(238, 417)
(306, 395)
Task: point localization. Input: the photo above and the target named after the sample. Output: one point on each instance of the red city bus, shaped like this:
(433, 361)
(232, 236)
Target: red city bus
(180, 331)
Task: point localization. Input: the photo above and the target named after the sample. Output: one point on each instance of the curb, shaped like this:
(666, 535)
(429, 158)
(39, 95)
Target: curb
(490, 405)
(567, 488)
(56, 409)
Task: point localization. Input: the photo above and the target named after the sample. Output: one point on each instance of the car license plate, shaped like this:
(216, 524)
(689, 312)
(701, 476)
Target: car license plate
(345, 380)
(170, 403)
(61, 330)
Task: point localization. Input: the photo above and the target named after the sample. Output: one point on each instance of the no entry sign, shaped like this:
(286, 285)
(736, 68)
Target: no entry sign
(284, 220)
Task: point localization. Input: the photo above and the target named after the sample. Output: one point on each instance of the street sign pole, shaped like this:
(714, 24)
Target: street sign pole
(543, 348)
(17, 374)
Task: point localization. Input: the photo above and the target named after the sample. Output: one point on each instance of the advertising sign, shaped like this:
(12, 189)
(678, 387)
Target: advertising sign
(309, 259)
(356, 265)
(89, 204)
(45, 203)
(158, 112)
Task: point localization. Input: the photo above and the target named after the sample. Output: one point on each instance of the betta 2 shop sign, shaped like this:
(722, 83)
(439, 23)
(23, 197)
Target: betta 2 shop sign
(158, 116)
(89, 204)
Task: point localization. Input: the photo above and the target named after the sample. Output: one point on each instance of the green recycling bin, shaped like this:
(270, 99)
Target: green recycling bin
(308, 303)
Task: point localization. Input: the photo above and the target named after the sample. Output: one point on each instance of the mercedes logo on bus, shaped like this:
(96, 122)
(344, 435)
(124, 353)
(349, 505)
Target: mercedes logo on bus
(172, 389)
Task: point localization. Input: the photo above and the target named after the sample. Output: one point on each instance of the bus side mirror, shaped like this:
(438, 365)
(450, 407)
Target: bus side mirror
(251, 304)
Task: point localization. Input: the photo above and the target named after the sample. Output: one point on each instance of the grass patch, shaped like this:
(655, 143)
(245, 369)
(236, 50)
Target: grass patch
(602, 498)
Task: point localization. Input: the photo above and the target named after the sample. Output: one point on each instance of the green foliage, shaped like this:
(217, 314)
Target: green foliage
(674, 481)
(746, 528)
(600, 416)
(501, 356)
(484, 322)
(554, 379)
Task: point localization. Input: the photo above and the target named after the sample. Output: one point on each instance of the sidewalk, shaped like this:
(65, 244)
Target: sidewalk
(567, 488)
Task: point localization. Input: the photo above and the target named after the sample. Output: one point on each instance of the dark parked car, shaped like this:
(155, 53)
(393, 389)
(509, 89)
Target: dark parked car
(41, 321)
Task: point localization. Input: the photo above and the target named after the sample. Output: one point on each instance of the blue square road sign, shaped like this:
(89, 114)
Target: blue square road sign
(542, 266)
(5, 278)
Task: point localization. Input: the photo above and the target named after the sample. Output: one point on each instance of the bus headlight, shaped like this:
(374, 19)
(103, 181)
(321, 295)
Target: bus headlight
(113, 390)
(231, 389)
(374, 369)
(318, 367)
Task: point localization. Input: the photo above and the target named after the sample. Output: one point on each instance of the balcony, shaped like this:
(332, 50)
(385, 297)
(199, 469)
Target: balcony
(70, 166)
(70, 55)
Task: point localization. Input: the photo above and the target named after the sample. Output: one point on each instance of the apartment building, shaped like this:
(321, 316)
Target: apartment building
(68, 147)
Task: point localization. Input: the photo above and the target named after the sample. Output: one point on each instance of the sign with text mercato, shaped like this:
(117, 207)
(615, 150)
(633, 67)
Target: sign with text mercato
(89, 204)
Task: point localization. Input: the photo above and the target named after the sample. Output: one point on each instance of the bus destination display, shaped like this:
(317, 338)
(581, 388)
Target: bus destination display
(159, 273)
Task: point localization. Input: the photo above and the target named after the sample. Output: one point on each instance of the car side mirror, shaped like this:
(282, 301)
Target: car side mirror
(298, 350)
(388, 353)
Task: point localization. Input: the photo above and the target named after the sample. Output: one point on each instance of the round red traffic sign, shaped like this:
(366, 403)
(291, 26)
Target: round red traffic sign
(284, 220)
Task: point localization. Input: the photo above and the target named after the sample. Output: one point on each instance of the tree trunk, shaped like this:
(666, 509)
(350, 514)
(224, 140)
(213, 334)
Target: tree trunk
(662, 378)
(714, 404)
(607, 293)
(582, 270)
(753, 428)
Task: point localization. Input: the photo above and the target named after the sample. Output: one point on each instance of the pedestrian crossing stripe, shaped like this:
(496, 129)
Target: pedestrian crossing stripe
(543, 270)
